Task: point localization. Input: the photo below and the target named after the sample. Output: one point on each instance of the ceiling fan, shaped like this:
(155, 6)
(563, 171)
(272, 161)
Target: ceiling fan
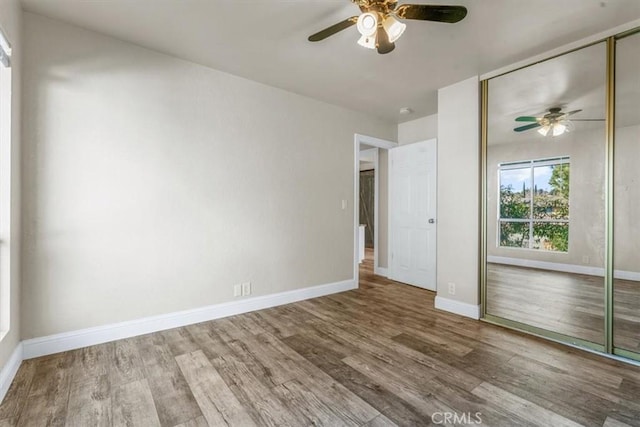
(553, 123)
(379, 27)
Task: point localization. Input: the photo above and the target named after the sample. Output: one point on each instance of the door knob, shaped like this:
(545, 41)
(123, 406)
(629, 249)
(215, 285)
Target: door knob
(432, 221)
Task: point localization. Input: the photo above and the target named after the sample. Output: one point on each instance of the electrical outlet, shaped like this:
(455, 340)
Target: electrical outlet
(452, 288)
(237, 290)
(246, 288)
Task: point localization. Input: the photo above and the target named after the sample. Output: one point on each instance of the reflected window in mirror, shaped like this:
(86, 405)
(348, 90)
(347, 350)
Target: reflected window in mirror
(534, 204)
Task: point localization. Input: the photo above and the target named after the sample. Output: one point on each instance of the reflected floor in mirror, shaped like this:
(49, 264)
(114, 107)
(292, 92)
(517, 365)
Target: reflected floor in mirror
(567, 303)
(626, 314)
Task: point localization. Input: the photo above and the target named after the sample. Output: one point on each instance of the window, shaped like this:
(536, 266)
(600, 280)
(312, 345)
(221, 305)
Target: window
(534, 204)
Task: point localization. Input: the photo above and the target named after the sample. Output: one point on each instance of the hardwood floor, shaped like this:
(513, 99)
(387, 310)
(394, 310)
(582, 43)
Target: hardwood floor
(377, 356)
(572, 304)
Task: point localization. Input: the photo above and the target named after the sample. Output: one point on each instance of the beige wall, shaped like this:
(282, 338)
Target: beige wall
(11, 22)
(627, 200)
(458, 190)
(586, 151)
(153, 184)
(417, 130)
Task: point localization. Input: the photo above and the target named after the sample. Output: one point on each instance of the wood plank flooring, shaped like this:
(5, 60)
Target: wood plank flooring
(572, 304)
(377, 356)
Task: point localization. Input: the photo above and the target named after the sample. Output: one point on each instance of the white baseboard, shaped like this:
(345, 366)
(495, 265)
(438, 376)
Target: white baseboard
(381, 271)
(57, 343)
(457, 307)
(565, 268)
(10, 370)
(626, 275)
(545, 265)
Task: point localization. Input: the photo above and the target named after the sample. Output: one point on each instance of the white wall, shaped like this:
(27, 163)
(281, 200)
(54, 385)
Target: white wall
(417, 130)
(153, 184)
(458, 191)
(11, 22)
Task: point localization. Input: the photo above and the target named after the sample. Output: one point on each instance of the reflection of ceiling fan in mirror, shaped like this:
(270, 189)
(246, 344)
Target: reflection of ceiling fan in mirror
(554, 123)
(379, 27)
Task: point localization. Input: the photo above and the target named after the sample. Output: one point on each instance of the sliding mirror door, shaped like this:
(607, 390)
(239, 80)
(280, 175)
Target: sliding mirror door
(545, 197)
(626, 254)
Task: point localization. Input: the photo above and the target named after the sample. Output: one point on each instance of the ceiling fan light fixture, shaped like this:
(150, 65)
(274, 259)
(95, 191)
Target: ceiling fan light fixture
(367, 24)
(367, 41)
(559, 129)
(553, 129)
(394, 28)
(544, 130)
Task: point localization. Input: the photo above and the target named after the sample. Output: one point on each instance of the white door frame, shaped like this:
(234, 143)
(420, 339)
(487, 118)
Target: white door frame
(373, 142)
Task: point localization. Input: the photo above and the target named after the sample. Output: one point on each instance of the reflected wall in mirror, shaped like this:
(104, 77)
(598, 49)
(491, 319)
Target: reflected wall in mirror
(545, 165)
(626, 254)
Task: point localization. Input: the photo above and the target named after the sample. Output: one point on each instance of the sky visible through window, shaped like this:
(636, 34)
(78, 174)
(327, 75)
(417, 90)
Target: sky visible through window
(516, 178)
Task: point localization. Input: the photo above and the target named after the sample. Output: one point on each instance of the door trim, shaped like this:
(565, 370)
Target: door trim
(380, 144)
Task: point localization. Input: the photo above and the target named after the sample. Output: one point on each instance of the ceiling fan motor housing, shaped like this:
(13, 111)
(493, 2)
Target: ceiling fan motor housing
(383, 7)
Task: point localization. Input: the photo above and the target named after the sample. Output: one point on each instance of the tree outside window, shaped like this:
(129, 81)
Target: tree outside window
(534, 204)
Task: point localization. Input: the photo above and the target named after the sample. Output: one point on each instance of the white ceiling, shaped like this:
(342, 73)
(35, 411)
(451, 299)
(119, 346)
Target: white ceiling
(266, 41)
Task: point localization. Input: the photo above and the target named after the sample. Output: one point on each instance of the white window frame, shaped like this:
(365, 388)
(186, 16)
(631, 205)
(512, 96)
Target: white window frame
(531, 164)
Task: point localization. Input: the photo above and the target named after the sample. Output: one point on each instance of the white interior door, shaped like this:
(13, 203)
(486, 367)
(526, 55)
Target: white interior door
(412, 214)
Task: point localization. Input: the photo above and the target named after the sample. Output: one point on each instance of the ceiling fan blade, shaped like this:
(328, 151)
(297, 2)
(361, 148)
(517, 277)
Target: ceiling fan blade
(571, 112)
(382, 41)
(426, 12)
(586, 120)
(527, 127)
(329, 31)
(527, 119)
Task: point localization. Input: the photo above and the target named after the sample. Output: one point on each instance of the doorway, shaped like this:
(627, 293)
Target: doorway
(374, 154)
(404, 208)
(368, 203)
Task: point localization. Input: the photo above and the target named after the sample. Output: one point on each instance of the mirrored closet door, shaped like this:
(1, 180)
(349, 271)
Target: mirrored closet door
(545, 201)
(626, 235)
(561, 197)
